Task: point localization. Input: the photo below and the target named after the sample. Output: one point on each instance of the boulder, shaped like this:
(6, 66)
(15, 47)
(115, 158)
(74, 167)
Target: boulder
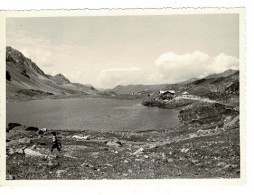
(221, 164)
(32, 153)
(169, 160)
(10, 151)
(59, 172)
(81, 137)
(87, 165)
(52, 165)
(12, 125)
(20, 151)
(10, 177)
(24, 140)
(185, 150)
(114, 143)
(139, 151)
(32, 128)
(43, 129)
(151, 146)
(40, 132)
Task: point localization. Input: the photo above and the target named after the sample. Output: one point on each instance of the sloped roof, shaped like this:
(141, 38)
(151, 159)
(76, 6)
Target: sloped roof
(167, 91)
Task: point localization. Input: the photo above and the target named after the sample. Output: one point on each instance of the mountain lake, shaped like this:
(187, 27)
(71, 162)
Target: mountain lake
(91, 114)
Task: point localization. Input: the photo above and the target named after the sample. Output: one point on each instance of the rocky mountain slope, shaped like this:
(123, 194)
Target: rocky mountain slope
(25, 79)
(188, 81)
(215, 86)
(60, 79)
(222, 74)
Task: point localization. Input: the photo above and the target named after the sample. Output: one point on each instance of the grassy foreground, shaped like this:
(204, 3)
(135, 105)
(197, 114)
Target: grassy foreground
(205, 145)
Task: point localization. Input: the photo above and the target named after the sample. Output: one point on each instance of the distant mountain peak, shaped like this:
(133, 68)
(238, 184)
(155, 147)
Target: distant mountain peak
(226, 73)
(21, 63)
(24, 76)
(61, 79)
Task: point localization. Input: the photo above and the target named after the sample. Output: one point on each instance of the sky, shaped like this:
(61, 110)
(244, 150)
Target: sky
(107, 51)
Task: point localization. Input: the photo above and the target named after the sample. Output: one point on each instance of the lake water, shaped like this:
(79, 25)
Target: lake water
(91, 114)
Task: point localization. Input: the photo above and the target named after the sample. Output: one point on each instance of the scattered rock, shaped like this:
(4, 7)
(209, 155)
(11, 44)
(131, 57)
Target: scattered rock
(169, 160)
(40, 132)
(52, 164)
(10, 177)
(69, 156)
(20, 151)
(43, 129)
(32, 153)
(49, 157)
(125, 161)
(221, 164)
(202, 132)
(59, 172)
(232, 122)
(24, 140)
(32, 129)
(163, 156)
(151, 146)
(229, 166)
(87, 165)
(81, 137)
(146, 156)
(195, 161)
(10, 151)
(114, 143)
(12, 125)
(185, 150)
(139, 151)
(33, 147)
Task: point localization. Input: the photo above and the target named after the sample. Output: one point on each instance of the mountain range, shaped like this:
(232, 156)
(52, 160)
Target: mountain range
(25, 79)
(215, 86)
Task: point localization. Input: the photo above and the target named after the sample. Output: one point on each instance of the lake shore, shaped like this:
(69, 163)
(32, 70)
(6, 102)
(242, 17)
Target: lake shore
(205, 145)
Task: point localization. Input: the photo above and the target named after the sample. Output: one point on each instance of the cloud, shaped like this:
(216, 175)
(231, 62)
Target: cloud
(75, 62)
(171, 67)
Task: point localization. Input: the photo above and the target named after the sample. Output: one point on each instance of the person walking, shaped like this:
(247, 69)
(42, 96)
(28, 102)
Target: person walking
(56, 143)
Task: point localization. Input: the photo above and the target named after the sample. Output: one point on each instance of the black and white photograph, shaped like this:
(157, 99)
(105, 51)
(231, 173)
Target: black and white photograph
(124, 96)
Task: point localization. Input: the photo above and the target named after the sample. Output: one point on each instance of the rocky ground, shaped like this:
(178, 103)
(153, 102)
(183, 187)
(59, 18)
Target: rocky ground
(205, 145)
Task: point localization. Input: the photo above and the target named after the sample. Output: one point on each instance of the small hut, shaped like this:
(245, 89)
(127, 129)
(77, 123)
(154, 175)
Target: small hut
(167, 94)
(185, 94)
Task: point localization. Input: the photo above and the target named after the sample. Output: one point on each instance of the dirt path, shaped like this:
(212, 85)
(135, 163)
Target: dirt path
(207, 100)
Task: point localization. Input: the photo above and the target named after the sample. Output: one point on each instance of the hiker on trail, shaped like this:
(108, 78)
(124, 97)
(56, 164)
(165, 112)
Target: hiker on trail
(56, 143)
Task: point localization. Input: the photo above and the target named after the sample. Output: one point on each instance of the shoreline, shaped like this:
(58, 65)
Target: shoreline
(205, 145)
